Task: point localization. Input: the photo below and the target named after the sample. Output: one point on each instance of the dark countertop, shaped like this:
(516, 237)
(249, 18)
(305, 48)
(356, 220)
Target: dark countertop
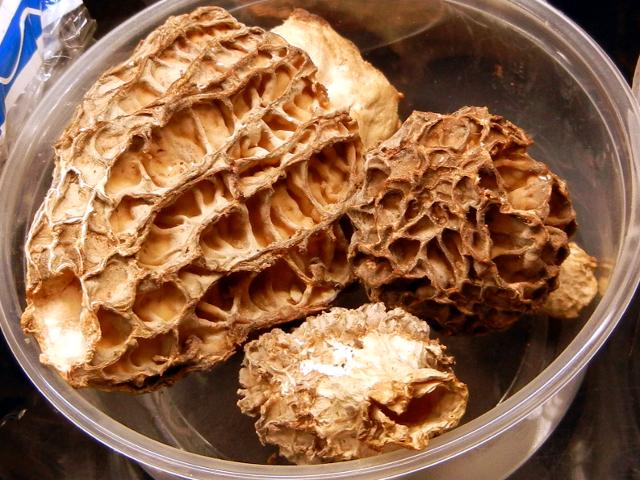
(599, 437)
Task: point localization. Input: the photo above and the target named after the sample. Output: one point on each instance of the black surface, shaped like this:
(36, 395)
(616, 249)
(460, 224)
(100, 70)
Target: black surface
(614, 24)
(598, 439)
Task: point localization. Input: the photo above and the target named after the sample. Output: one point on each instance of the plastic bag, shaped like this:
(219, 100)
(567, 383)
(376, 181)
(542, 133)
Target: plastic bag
(38, 39)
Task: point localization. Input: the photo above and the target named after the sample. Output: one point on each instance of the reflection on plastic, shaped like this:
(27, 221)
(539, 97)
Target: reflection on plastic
(38, 39)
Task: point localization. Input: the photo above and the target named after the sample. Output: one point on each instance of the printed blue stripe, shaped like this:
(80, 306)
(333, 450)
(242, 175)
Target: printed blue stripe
(10, 51)
(10, 44)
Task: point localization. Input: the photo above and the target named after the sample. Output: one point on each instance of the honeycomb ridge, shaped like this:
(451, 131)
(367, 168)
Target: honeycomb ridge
(457, 224)
(180, 222)
(158, 62)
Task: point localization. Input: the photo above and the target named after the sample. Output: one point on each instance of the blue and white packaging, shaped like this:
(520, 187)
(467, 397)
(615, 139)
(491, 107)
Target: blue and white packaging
(30, 46)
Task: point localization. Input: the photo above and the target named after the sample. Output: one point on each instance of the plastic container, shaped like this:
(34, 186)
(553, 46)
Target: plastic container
(523, 60)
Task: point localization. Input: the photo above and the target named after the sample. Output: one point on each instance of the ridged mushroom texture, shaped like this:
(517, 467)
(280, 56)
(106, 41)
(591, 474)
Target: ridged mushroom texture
(197, 197)
(349, 384)
(458, 224)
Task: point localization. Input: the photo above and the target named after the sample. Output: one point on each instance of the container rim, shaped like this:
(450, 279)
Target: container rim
(562, 370)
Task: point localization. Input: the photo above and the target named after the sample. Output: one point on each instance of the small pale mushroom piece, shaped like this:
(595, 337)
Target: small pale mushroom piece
(577, 285)
(348, 384)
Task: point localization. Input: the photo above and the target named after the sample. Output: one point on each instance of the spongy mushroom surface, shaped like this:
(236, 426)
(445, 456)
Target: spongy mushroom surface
(349, 384)
(158, 63)
(196, 197)
(352, 83)
(458, 224)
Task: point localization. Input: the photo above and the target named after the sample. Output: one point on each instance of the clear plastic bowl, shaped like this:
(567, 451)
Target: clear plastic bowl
(523, 60)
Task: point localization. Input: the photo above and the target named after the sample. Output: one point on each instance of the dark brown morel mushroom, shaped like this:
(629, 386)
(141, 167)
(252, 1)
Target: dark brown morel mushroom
(457, 224)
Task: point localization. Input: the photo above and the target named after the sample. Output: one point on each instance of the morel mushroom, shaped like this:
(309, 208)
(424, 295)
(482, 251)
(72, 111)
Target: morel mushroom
(350, 383)
(458, 224)
(196, 197)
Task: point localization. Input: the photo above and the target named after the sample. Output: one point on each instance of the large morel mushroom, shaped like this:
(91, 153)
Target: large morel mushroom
(458, 224)
(196, 197)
